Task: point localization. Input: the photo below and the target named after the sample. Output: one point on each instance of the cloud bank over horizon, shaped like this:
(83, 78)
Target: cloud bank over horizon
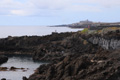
(39, 7)
(62, 9)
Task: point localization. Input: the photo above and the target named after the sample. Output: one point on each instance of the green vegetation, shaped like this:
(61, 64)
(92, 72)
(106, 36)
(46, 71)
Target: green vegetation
(102, 31)
(105, 30)
(85, 30)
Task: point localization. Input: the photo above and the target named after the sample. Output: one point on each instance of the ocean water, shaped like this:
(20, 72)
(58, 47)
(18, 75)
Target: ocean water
(6, 31)
(19, 62)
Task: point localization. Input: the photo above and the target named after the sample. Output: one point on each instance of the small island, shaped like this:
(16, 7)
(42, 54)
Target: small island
(90, 24)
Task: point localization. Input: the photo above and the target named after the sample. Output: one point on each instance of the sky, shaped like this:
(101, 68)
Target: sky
(56, 12)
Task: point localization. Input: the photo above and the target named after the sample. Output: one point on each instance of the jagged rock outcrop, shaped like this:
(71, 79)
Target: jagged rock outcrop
(106, 43)
(110, 40)
(29, 44)
(57, 50)
(100, 66)
(3, 59)
(86, 61)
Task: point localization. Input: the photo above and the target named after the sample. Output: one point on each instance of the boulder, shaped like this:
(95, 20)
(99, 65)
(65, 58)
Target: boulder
(24, 78)
(3, 79)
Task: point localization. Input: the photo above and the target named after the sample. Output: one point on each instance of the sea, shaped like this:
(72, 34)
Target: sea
(6, 31)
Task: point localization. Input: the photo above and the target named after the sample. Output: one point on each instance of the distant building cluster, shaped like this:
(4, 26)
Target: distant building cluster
(93, 25)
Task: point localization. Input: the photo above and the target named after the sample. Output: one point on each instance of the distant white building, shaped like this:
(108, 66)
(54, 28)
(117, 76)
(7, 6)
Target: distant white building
(86, 22)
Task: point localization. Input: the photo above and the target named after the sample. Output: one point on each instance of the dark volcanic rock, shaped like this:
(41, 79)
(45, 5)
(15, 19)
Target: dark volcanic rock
(74, 56)
(70, 66)
(3, 68)
(83, 61)
(3, 59)
(110, 40)
(24, 78)
(3, 79)
(81, 68)
(57, 50)
(33, 45)
(12, 69)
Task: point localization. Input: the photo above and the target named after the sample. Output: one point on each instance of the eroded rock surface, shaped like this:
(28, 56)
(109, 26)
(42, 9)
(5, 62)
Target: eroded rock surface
(84, 61)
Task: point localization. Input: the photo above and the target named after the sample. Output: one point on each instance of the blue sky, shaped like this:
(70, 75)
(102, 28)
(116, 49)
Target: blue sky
(55, 12)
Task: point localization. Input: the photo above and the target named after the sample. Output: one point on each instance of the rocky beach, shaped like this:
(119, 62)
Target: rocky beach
(72, 55)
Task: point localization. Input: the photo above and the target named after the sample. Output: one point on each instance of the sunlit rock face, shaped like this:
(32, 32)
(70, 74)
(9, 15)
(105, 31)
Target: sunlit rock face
(109, 40)
(106, 43)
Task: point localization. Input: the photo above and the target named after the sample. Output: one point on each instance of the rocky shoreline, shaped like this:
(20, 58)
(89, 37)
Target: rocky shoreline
(74, 56)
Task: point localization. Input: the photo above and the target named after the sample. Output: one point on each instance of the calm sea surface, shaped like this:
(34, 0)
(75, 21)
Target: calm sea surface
(19, 62)
(6, 31)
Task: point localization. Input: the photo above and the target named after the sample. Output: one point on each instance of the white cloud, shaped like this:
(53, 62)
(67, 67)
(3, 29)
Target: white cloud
(9, 4)
(36, 7)
(103, 3)
(19, 12)
(78, 8)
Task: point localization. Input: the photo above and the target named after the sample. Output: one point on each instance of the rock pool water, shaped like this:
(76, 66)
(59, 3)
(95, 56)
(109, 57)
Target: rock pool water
(19, 62)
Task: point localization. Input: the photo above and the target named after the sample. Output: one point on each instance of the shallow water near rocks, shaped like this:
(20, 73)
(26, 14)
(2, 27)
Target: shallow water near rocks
(19, 62)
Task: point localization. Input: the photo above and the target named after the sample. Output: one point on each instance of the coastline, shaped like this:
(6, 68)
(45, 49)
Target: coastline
(74, 55)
